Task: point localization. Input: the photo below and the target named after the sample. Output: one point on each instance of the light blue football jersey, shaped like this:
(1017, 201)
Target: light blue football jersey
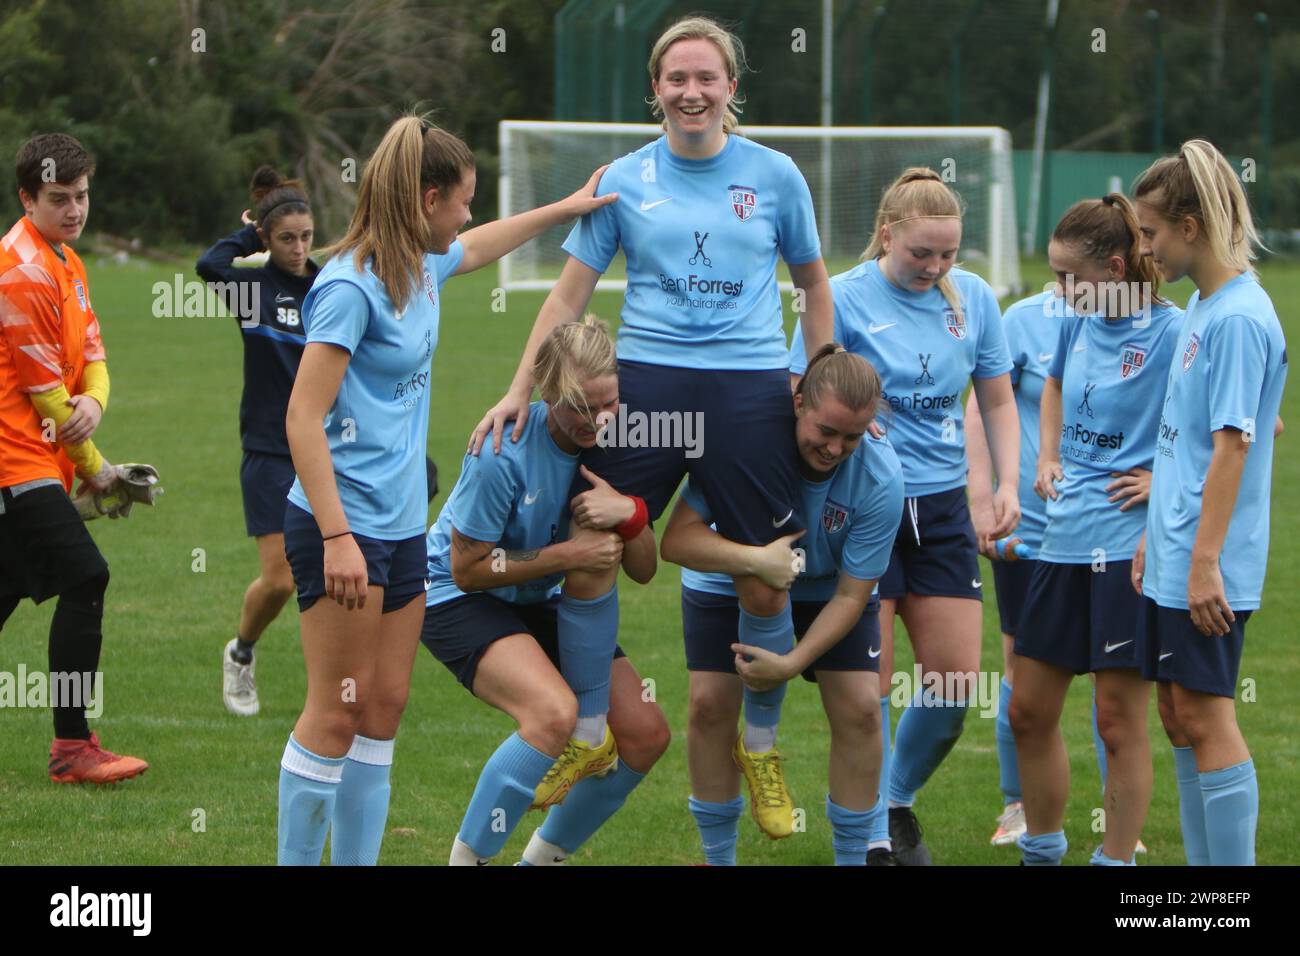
(1111, 387)
(926, 354)
(1228, 371)
(701, 239)
(379, 425)
(518, 500)
(1032, 327)
(852, 519)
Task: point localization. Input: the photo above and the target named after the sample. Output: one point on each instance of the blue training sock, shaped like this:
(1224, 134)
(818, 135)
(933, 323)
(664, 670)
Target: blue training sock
(1191, 807)
(588, 634)
(1099, 858)
(926, 732)
(1098, 744)
(850, 832)
(1008, 767)
(880, 812)
(361, 807)
(775, 634)
(506, 785)
(591, 802)
(1045, 849)
(308, 785)
(1231, 813)
(717, 823)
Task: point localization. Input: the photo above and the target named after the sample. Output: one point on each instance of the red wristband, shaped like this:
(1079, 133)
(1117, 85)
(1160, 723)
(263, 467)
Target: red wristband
(634, 525)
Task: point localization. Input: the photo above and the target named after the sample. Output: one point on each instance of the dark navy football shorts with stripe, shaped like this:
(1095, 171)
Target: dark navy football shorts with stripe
(709, 628)
(1080, 619)
(732, 432)
(935, 553)
(396, 566)
(459, 632)
(265, 481)
(1011, 583)
(1174, 651)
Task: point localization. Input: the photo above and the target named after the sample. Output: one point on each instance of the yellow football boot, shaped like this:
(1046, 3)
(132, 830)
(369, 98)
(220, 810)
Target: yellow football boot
(769, 801)
(579, 760)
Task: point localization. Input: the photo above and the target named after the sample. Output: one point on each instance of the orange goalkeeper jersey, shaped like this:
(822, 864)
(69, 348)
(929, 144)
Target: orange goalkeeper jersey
(48, 332)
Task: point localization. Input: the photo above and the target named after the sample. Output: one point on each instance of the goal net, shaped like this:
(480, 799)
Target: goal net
(847, 169)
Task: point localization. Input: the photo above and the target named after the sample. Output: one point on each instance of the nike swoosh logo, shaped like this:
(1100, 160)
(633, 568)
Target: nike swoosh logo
(1045, 357)
(1115, 647)
(558, 859)
(658, 202)
(1167, 654)
(777, 524)
(976, 583)
(873, 328)
(482, 862)
(1081, 347)
(284, 298)
(529, 499)
(874, 654)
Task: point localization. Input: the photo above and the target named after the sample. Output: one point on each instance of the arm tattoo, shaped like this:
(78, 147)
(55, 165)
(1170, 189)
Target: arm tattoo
(523, 555)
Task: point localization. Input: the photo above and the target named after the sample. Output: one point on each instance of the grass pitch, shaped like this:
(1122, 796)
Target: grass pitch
(179, 572)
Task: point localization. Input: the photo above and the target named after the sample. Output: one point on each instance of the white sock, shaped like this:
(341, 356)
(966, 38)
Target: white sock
(591, 730)
(540, 853)
(462, 855)
(759, 739)
(894, 805)
(880, 845)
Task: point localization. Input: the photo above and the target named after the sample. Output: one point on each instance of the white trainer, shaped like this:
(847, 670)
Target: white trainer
(1011, 824)
(238, 687)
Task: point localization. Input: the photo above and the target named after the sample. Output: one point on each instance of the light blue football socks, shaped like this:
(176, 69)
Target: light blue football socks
(1045, 849)
(588, 634)
(502, 796)
(1231, 797)
(850, 832)
(1191, 807)
(361, 804)
(718, 823)
(763, 708)
(927, 731)
(1099, 858)
(591, 802)
(1008, 767)
(309, 784)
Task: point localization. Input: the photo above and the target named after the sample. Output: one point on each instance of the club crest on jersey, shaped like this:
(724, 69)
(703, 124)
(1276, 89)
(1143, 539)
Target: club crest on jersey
(1131, 360)
(743, 201)
(1189, 351)
(430, 289)
(833, 517)
(80, 288)
(955, 321)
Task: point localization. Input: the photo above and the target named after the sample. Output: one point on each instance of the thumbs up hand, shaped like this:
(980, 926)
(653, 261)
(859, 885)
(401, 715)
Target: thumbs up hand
(602, 507)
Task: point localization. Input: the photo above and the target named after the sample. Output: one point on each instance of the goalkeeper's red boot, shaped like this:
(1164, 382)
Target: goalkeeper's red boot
(85, 761)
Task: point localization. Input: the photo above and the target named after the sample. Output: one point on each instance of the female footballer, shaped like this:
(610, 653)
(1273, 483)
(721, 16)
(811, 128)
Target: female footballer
(703, 216)
(500, 548)
(852, 493)
(273, 341)
(1209, 490)
(1032, 327)
(1099, 417)
(929, 328)
(357, 427)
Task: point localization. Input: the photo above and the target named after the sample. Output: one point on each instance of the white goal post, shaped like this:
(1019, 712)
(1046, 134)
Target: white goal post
(847, 168)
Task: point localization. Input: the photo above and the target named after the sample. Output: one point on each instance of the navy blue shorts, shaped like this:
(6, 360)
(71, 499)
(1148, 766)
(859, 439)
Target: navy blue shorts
(741, 454)
(710, 622)
(396, 566)
(1011, 582)
(459, 632)
(1175, 652)
(265, 481)
(1082, 620)
(935, 553)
